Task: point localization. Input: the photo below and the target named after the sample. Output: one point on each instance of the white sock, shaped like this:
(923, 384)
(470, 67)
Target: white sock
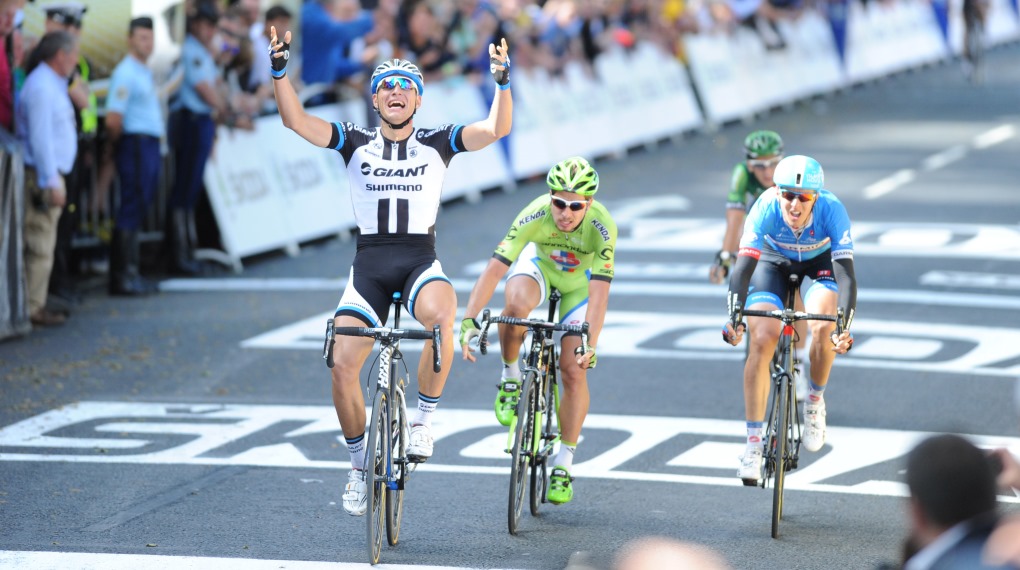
(565, 457)
(356, 445)
(755, 430)
(511, 369)
(815, 395)
(426, 405)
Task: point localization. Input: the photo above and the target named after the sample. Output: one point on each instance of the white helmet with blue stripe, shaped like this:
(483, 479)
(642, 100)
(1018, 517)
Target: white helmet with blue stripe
(799, 172)
(400, 67)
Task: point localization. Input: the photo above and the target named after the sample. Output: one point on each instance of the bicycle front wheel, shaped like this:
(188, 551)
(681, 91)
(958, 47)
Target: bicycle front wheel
(395, 489)
(545, 421)
(783, 429)
(377, 466)
(521, 452)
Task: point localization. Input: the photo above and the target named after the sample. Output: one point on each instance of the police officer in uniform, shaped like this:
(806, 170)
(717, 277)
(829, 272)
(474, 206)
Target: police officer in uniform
(134, 123)
(192, 128)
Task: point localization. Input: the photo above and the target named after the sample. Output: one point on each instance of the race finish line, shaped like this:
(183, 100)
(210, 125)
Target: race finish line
(91, 561)
(698, 451)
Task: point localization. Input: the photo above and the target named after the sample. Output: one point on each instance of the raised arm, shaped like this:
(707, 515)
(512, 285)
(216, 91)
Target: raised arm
(309, 127)
(481, 134)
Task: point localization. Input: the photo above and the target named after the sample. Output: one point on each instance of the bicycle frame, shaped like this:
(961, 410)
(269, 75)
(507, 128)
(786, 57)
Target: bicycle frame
(783, 423)
(532, 443)
(388, 426)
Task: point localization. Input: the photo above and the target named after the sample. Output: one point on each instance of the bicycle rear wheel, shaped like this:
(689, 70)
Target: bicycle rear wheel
(782, 435)
(395, 489)
(524, 442)
(376, 468)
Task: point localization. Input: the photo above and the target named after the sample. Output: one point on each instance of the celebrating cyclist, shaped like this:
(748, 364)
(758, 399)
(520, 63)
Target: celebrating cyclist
(796, 227)
(566, 241)
(762, 151)
(396, 176)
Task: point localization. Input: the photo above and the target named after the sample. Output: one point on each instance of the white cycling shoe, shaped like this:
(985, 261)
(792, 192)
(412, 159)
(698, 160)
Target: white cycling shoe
(355, 496)
(814, 429)
(750, 465)
(419, 447)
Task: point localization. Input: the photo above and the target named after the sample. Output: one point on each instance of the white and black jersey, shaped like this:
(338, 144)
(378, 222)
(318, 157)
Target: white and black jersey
(396, 186)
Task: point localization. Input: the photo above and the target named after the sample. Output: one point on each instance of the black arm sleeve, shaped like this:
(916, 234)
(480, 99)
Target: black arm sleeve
(843, 270)
(740, 279)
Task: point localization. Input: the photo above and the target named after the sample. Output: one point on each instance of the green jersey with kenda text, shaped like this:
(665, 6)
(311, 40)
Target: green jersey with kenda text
(744, 188)
(586, 253)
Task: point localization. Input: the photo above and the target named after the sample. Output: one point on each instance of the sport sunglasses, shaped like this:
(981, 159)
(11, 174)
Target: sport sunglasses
(799, 196)
(574, 206)
(391, 83)
(764, 164)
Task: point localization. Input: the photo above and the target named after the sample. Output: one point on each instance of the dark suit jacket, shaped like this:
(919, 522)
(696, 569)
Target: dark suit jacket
(966, 554)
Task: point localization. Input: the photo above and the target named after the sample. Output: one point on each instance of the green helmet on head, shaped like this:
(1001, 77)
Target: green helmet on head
(763, 143)
(573, 175)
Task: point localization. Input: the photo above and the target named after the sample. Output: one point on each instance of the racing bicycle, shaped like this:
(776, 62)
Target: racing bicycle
(534, 429)
(782, 435)
(387, 465)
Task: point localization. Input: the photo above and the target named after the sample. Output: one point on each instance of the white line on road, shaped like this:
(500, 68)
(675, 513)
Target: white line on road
(890, 183)
(94, 561)
(939, 160)
(994, 136)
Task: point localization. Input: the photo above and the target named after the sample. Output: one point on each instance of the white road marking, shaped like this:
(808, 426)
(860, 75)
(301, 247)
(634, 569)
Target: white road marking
(995, 136)
(848, 449)
(1000, 281)
(95, 561)
(939, 160)
(882, 344)
(889, 183)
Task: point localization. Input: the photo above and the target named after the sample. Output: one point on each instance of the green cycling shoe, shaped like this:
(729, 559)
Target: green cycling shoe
(561, 486)
(506, 400)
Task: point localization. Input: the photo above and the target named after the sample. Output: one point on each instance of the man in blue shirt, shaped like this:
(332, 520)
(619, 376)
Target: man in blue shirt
(45, 123)
(191, 132)
(325, 38)
(134, 123)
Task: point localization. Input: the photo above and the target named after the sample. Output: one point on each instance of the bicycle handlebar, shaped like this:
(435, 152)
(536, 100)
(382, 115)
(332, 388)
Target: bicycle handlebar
(533, 324)
(383, 333)
(789, 316)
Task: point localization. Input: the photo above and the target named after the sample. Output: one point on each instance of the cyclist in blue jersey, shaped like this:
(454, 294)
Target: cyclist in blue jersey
(396, 173)
(763, 149)
(796, 227)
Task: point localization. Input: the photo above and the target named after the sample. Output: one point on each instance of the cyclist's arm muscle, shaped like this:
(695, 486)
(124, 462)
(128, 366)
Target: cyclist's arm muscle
(843, 271)
(309, 127)
(481, 293)
(598, 301)
(481, 134)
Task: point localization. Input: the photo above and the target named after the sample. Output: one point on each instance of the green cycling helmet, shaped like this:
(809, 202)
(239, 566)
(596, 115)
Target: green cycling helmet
(763, 143)
(573, 175)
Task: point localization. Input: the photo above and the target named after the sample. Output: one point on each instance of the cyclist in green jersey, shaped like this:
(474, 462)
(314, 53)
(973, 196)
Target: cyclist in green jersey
(763, 150)
(566, 241)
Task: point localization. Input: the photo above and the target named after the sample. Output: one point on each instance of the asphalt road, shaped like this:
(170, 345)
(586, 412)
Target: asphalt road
(198, 423)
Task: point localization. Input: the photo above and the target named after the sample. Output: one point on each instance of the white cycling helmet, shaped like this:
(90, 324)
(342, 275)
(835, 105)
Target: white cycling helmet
(400, 67)
(799, 172)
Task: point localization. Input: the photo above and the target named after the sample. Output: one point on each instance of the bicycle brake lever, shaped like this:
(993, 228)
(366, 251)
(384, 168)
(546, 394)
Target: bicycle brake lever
(483, 336)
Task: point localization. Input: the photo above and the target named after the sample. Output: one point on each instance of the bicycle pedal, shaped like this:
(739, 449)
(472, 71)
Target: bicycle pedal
(750, 482)
(416, 459)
